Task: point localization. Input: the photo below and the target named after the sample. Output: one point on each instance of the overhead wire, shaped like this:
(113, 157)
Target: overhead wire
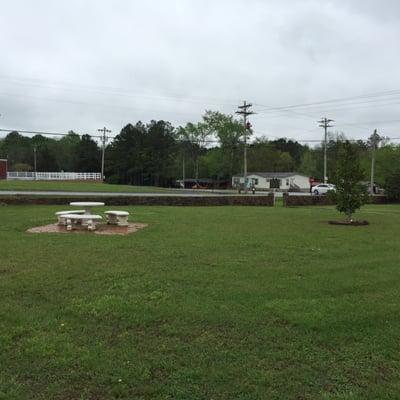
(112, 90)
(395, 92)
(46, 133)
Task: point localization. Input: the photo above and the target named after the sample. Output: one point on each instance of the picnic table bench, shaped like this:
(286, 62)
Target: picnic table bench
(85, 219)
(61, 215)
(115, 217)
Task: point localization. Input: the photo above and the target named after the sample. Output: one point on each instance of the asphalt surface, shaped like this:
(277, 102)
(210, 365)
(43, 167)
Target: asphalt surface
(96, 194)
(109, 194)
(144, 194)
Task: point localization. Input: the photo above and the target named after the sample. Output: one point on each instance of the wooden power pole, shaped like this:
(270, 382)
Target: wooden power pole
(103, 148)
(324, 123)
(374, 141)
(244, 110)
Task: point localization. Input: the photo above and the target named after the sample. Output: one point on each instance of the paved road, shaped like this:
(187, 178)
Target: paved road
(185, 193)
(110, 194)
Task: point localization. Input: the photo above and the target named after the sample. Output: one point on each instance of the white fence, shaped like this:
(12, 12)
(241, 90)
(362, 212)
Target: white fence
(55, 176)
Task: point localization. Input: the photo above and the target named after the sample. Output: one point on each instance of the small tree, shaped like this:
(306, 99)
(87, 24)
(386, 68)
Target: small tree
(350, 193)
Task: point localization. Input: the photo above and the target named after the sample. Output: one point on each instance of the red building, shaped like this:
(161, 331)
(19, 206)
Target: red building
(3, 169)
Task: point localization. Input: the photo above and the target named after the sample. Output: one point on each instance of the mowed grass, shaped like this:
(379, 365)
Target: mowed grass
(205, 303)
(75, 186)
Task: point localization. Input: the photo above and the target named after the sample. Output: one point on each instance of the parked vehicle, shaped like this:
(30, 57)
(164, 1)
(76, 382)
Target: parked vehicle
(323, 188)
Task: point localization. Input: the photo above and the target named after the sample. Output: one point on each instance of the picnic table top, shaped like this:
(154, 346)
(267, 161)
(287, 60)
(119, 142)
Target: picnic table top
(86, 203)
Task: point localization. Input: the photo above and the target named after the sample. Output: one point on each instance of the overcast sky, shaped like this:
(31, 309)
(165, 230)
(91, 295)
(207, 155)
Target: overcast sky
(83, 64)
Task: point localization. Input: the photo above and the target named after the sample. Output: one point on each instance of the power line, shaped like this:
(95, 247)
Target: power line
(91, 104)
(94, 136)
(46, 133)
(395, 92)
(296, 113)
(110, 90)
(225, 102)
(376, 97)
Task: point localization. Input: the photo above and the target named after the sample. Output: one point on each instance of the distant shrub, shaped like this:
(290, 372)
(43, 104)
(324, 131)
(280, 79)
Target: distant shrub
(114, 179)
(392, 185)
(21, 167)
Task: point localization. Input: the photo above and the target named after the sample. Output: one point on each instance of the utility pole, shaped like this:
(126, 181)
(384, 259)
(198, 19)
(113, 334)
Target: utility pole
(374, 140)
(324, 123)
(103, 149)
(244, 110)
(34, 162)
(183, 170)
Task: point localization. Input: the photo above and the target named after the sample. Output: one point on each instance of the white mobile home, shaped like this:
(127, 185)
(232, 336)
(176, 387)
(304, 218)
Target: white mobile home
(274, 180)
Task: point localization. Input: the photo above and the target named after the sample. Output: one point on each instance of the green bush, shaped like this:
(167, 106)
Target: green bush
(392, 185)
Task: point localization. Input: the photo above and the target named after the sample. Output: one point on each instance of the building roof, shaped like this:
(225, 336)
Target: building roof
(273, 175)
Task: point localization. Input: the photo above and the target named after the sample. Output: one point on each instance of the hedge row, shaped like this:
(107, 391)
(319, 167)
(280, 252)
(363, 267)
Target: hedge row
(293, 200)
(251, 200)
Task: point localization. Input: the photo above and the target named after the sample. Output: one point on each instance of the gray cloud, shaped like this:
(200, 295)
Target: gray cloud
(84, 64)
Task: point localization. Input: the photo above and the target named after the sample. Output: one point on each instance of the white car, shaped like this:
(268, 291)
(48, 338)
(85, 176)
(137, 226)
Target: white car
(323, 188)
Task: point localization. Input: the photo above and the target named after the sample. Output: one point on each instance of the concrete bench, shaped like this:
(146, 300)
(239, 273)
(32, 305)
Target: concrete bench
(60, 215)
(119, 218)
(87, 219)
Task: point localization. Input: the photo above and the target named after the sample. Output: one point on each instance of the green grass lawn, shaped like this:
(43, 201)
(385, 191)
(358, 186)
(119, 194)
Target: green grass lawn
(75, 186)
(205, 303)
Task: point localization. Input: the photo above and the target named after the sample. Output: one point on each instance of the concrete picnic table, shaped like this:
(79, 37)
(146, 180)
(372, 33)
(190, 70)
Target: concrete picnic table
(87, 206)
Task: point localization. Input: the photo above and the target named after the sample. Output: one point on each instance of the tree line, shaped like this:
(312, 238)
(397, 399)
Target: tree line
(158, 153)
(71, 153)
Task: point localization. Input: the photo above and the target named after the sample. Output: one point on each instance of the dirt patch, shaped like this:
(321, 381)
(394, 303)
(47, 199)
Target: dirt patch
(101, 229)
(347, 223)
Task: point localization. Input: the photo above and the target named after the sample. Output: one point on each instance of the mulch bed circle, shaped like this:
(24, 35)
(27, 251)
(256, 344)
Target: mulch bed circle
(347, 223)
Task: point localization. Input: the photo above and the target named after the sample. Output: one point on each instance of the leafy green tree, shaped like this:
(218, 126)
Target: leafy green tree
(263, 157)
(196, 135)
(308, 163)
(392, 185)
(211, 164)
(293, 148)
(286, 162)
(67, 152)
(45, 154)
(18, 149)
(142, 155)
(229, 132)
(350, 193)
(159, 160)
(124, 156)
(387, 161)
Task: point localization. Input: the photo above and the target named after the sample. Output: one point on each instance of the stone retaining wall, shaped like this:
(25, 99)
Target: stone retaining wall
(251, 200)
